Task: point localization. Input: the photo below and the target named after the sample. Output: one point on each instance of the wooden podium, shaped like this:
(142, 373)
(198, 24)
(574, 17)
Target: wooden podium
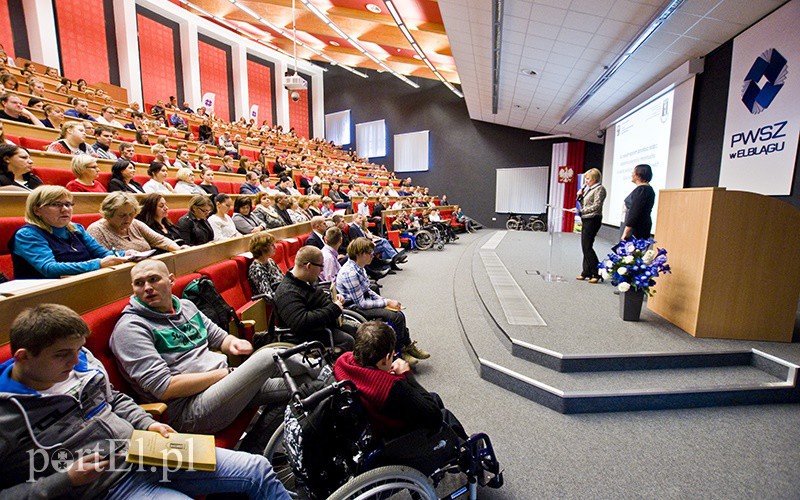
(735, 259)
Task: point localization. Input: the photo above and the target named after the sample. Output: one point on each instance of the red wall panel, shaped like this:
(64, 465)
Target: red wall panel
(214, 76)
(82, 39)
(6, 36)
(298, 114)
(157, 60)
(259, 84)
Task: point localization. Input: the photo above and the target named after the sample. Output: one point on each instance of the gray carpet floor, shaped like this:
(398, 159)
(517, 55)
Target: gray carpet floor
(734, 452)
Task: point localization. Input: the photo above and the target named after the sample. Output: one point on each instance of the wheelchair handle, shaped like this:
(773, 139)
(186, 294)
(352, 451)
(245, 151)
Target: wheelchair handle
(304, 347)
(313, 400)
(281, 356)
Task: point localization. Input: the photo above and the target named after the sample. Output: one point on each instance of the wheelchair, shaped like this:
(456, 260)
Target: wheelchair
(536, 222)
(325, 448)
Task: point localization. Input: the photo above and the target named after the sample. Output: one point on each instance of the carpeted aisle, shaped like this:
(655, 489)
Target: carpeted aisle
(734, 452)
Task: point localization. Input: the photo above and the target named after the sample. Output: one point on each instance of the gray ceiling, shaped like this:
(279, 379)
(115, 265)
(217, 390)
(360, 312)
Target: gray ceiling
(568, 43)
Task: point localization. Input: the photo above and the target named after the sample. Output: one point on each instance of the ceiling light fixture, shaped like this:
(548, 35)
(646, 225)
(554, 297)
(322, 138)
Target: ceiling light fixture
(528, 72)
(653, 25)
(285, 33)
(420, 54)
(497, 38)
(322, 16)
(374, 8)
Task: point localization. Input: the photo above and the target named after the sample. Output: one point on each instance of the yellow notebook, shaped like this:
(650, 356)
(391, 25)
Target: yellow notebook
(179, 451)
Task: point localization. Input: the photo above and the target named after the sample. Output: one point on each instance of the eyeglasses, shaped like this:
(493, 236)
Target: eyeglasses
(317, 265)
(60, 204)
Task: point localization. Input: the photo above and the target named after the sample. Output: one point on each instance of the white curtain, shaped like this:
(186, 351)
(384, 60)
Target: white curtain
(521, 190)
(337, 127)
(411, 152)
(371, 139)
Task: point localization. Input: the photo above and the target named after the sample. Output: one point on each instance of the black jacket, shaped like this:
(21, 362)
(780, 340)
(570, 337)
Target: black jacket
(315, 240)
(31, 181)
(306, 309)
(117, 184)
(195, 231)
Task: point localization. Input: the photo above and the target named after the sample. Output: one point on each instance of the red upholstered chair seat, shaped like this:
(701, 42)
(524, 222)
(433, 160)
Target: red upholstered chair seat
(280, 256)
(36, 144)
(54, 176)
(292, 246)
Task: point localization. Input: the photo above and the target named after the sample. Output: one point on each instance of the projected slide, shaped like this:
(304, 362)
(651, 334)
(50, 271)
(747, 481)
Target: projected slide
(642, 137)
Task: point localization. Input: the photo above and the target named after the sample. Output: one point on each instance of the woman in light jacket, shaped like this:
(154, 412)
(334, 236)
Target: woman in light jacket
(590, 199)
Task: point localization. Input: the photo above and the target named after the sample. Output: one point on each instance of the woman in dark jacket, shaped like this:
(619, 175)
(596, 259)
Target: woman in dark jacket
(154, 215)
(194, 227)
(639, 205)
(15, 168)
(122, 173)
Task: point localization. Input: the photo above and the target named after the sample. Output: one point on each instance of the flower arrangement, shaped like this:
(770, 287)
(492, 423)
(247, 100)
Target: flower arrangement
(635, 265)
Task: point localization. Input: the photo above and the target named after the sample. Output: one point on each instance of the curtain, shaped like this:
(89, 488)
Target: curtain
(371, 139)
(337, 127)
(411, 152)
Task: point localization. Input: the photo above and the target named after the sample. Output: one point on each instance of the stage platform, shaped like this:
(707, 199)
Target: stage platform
(563, 344)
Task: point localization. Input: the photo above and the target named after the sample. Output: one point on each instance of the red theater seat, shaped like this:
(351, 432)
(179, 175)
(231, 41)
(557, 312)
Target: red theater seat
(8, 226)
(225, 276)
(280, 256)
(54, 176)
(174, 214)
(143, 158)
(85, 219)
(13, 138)
(36, 144)
(292, 246)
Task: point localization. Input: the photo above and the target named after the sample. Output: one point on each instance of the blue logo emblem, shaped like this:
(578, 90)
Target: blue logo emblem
(770, 65)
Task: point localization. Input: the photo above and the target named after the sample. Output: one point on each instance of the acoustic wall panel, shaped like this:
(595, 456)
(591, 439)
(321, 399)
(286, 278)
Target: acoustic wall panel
(83, 39)
(6, 34)
(259, 84)
(159, 57)
(299, 113)
(216, 75)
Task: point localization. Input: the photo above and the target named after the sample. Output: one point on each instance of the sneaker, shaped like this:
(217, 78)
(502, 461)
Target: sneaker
(411, 360)
(415, 351)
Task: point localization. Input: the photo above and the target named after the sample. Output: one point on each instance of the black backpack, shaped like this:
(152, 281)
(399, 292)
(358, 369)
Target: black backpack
(202, 293)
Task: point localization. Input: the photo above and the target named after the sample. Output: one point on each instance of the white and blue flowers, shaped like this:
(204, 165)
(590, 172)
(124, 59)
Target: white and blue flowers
(635, 265)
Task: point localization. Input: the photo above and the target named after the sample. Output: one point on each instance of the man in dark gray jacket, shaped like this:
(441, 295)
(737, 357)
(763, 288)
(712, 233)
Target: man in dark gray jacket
(64, 431)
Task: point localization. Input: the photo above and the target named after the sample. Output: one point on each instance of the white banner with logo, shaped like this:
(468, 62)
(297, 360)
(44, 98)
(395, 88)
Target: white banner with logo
(254, 112)
(208, 101)
(763, 118)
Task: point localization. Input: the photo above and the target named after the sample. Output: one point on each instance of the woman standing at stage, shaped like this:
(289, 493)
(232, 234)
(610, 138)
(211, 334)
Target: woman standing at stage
(639, 205)
(590, 199)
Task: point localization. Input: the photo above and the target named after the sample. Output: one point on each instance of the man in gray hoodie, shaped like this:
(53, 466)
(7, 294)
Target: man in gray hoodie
(166, 348)
(64, 431)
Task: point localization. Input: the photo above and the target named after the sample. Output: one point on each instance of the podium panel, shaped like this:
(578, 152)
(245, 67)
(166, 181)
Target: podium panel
(735, 271)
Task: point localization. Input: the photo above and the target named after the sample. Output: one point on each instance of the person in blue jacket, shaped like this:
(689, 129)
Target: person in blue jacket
(50, 245)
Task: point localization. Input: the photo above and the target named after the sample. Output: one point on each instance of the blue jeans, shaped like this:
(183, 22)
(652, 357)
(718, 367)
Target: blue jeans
(237, 472)
(385, 248)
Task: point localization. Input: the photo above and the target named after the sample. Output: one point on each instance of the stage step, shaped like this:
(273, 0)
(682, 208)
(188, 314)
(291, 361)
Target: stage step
(625, 382)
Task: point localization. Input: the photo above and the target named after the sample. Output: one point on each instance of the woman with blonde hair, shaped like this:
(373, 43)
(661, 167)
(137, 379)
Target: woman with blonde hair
(590, 209)
(50, 245)
(72, 140)
(54, 116)
(185, 184)
(120, 230)
(86, 172)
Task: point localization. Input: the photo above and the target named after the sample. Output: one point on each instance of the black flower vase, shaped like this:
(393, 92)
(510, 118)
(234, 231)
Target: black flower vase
(630, 304)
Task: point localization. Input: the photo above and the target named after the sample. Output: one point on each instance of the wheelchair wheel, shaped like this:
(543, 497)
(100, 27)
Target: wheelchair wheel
(512, 224)
(353, 317)
(397, 481)
(539, 225)
(424, 239)
(276, 454)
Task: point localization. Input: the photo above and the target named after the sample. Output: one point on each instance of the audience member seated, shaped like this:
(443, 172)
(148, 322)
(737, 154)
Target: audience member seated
(304, 307)
(48, 367)
(160, 152)
(226, 142)
(340, 199)
(358, 229)
(54, 116)
(15, 169)
(327, 207)
(243, 218)
(107, 117)
(86, 172)
(352, 284)
(158, 179)
(220, 221)
(185, 184)
(127, 151)
(317, 236)
(137, 121)
(120, 230)
(142, 137)
(194, 227)
(102, 148)
(80, 111)
(172, 352)
(50, 245)
(182, 159)
(227, 165)
(154, 214)
(179, 123)
(9, 82)
(205, 133)
(72, 140)
(264, 211)
(250, 186)
(3, 139)
(395, 402)
(282, 204)
(333, 240)
(208, 183)
(264, 275)
(14, 110)
(122, 174)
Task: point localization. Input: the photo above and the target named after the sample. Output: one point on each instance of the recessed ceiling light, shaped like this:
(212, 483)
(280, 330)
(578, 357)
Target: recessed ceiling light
(528, 72)
(373, 8)
(334, 43)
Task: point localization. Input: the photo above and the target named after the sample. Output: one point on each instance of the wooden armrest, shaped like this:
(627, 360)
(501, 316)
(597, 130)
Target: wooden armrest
(249, 322)
(154, 409)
